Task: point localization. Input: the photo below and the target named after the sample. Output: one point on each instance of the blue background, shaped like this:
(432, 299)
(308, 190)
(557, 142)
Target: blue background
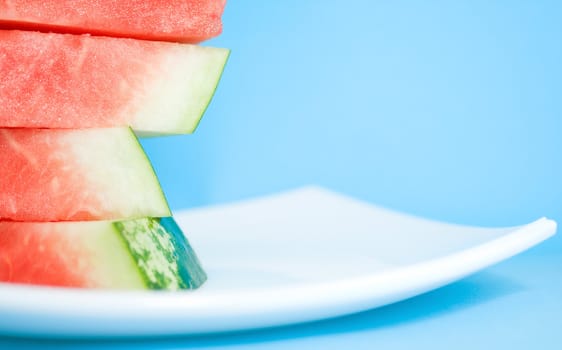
(447, 109)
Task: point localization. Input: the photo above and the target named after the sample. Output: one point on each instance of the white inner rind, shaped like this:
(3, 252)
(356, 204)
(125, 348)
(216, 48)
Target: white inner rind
(117, 173)
(105, 257)
(178, 90)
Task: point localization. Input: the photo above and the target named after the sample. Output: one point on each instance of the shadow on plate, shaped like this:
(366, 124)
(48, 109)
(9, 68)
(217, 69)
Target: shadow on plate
(470, 292)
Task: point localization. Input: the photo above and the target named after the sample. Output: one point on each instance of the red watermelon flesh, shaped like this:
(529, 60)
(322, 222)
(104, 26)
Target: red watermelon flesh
(89, 174)
(20, 250)
(80, 81)
(187, 21)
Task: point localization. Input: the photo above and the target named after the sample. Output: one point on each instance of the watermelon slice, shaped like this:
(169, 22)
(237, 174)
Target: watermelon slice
(143, 253)
(89, 174)
(189, 21)
(78, 81)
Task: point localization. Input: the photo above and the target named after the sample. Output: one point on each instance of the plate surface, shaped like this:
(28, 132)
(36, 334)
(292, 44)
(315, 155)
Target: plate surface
(298, 256)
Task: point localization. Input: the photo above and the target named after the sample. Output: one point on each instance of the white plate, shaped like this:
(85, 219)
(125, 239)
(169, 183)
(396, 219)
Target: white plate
(300, 256)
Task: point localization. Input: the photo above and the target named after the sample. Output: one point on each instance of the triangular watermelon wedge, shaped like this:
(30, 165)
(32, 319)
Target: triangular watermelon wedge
(89, 174)
(188, 21)
(144, 253)
(78, 81)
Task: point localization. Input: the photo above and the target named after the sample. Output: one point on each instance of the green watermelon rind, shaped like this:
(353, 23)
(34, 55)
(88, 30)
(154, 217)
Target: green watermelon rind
(191, 269)
(161, 253)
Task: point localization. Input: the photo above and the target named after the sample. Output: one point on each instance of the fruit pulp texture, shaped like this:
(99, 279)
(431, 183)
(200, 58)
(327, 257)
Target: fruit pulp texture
(89, 174)
(188, 21)
(78, 81)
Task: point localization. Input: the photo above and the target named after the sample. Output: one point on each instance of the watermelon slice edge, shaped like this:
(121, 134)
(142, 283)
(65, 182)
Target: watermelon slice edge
(98, 254)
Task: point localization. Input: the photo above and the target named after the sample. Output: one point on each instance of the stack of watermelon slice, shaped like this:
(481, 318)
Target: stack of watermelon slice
(80, 80)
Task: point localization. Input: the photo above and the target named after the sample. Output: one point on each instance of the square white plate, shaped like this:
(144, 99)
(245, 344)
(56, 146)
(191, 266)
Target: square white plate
(299, 256)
